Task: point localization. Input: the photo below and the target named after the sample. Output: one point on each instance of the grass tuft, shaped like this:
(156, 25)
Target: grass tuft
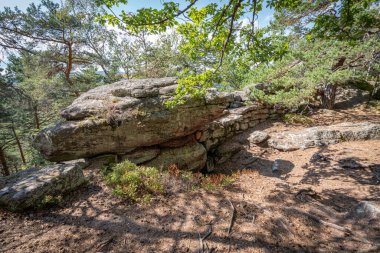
(135, 182)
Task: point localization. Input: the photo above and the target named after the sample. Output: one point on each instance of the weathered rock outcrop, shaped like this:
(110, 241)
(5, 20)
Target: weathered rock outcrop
(324, 135)
(128, 120)
(126, 115)
(236, 121)
(28, 188)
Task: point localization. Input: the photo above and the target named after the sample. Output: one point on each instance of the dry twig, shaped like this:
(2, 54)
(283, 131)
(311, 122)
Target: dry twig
(232, 218)
(104, 243)
(201, 241)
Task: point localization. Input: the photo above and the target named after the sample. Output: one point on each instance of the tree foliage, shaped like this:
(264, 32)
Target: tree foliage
(60, 35)
(332, 44)
(299, 78)
(213, 32)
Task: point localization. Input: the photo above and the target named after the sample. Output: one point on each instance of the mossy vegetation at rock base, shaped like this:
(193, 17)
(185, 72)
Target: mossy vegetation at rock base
(134, 182)
(141, 184)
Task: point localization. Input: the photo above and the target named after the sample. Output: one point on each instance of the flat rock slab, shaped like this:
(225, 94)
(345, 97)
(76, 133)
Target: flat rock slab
(29, 187)
(324, 135)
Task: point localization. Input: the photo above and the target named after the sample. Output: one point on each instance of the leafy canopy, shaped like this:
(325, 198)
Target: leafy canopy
(215, 38)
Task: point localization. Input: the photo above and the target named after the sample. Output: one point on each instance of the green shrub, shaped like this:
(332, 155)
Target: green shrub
(135, 182)
(139, 183)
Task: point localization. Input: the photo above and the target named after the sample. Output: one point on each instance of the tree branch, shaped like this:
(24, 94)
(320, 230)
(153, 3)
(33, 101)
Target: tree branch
(236, 8)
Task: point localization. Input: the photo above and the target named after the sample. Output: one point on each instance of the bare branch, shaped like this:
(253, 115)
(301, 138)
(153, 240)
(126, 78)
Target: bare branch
(236, 8)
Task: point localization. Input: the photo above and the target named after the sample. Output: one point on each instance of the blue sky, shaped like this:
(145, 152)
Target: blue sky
(264, 16)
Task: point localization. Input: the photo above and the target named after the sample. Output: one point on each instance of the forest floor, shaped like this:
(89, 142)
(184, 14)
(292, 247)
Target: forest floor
(308, 207)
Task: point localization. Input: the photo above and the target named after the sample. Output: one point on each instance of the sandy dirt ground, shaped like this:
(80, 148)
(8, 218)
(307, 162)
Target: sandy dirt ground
(308, 206)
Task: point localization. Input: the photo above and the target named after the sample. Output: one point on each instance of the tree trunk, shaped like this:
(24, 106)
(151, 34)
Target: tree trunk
(36, 119)
(126, 72)
(19, 145)
(3, 162)
(105, 72)
(375, 94)
(327, 94)
(69, 65)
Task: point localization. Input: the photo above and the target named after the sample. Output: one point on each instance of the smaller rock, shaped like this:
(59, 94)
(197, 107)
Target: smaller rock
(281, 166)
(226, 150)
(253, 123)
(318, 158)
(244, 126)
(238, 96)
(27, 188)
(219, 132)
(257, 137)
(365, 210)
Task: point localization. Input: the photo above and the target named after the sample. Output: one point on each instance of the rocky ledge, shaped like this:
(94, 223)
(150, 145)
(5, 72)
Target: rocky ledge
(324, 135)
(28, 188)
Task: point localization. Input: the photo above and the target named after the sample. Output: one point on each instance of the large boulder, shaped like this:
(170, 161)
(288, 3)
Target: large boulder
(324, 135)
(28, 188)
(126, 115)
